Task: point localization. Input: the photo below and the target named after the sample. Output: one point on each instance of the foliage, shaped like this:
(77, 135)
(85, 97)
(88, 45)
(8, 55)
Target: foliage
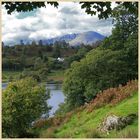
(104, 10)
(126, 26)
(76, 57)
(23, 102)
(56, 53)
(30, 73)
(100, 70)
(12, 64)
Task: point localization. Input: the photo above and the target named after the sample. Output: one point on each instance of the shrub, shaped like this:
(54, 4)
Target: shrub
(113, 96)
(23, 102)
(40, 123)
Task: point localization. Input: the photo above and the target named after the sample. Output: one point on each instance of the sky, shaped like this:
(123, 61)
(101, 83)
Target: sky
(44, 23)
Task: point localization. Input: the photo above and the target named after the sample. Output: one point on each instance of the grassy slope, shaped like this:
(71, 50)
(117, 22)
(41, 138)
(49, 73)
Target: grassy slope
(85, 124)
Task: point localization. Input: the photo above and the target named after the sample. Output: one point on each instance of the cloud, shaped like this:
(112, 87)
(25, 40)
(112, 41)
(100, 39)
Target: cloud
(50, 22)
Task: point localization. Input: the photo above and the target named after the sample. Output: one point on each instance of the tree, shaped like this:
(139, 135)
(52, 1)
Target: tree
(23, 102)
(131, 56)
(126, 24)
(40, 54)
(33, 44)
(56, 50)
(21, 42)
(40, 43)
(38, 63)
(76, 57)
(3, 44)
(125, 38)
(39, 71)
(45, 58)
(23, 61)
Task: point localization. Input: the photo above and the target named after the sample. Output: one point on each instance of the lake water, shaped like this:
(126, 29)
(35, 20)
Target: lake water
(56, 94)
(4, 85)
(56, 98)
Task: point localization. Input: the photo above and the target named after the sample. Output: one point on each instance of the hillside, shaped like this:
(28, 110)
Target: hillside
(86, 38)
(85, 121)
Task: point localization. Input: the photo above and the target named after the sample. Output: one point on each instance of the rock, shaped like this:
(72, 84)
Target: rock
(115, 122)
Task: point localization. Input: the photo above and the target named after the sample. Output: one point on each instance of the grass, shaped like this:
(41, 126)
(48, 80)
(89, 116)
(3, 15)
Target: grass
(56, 76)
(83, 124)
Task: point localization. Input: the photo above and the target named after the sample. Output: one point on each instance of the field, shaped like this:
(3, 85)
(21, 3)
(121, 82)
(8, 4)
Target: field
(54, 76)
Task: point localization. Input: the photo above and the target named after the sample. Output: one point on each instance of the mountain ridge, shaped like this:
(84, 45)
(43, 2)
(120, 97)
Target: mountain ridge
(76, 39)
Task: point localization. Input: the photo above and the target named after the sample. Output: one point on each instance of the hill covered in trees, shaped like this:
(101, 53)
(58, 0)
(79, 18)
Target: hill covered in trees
(39, 60)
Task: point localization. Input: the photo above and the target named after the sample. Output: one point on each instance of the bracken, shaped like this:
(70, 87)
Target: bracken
(113, 96)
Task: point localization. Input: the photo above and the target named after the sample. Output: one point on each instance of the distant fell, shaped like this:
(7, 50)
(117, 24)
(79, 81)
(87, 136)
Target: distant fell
(86, 38)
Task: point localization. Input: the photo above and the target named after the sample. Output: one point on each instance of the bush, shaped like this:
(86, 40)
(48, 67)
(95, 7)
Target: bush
(23, 102)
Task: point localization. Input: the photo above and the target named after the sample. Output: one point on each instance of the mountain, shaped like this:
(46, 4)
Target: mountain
(67, 38)
(77, 39)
